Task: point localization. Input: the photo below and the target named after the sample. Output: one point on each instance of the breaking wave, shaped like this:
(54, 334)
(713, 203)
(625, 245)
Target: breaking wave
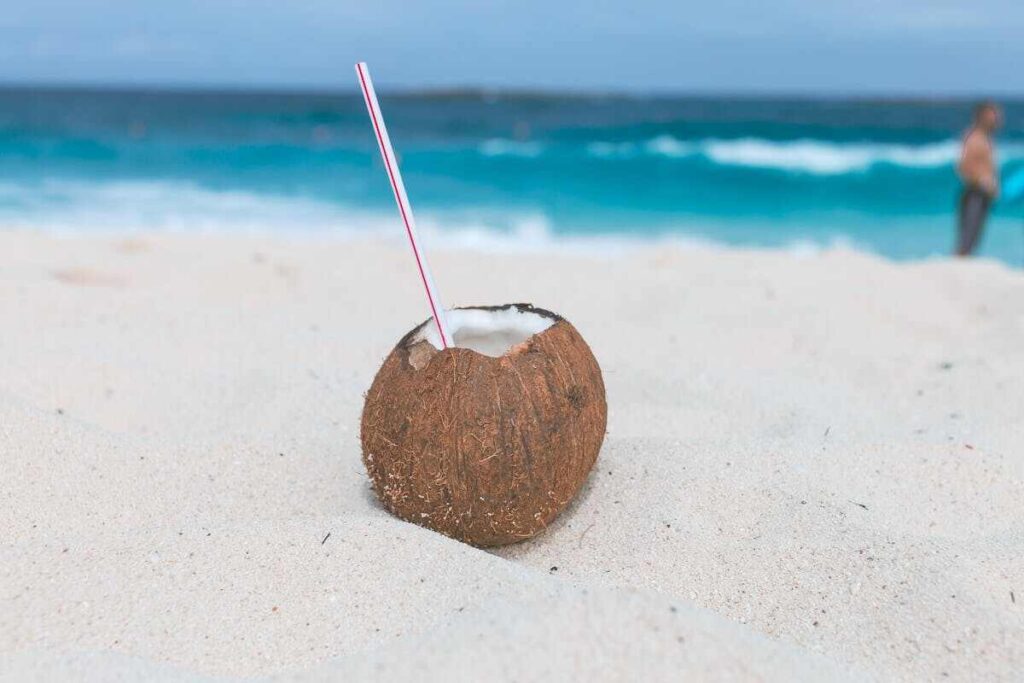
(131, 206)
(128, 207)
(823, 158)
(808, 156)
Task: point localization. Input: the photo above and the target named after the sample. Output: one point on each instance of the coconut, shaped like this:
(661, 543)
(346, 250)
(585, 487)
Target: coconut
(489, 440)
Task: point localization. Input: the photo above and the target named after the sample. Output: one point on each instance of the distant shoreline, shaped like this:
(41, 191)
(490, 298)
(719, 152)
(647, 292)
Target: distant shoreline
(476, 92)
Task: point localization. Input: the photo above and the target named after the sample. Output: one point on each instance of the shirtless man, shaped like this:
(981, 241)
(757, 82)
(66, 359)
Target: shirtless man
(978, 173)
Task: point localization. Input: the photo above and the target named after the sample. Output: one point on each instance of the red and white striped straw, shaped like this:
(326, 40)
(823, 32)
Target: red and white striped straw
(398, 187)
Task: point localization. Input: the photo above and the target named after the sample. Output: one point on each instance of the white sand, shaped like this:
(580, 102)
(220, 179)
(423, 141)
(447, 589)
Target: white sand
(814, 469)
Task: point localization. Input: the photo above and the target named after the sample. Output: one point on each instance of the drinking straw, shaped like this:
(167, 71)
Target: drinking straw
(398, 187)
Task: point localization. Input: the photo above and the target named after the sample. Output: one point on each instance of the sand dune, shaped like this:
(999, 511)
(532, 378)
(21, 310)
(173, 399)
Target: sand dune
(813, 469)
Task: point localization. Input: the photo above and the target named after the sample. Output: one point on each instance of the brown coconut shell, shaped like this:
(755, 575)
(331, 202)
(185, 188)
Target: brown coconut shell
(485, 450)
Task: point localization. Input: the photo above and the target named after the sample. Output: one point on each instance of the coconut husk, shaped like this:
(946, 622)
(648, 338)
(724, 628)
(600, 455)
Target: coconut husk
(485, 450)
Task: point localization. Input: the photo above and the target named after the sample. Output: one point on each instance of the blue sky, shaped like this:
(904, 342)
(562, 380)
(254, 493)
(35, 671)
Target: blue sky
(923, 47)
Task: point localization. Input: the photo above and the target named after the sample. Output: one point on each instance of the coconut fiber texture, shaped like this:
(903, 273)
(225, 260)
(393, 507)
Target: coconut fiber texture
(485, 450)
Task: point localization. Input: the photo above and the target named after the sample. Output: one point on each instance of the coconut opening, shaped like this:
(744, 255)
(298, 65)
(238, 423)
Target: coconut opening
(491, 332)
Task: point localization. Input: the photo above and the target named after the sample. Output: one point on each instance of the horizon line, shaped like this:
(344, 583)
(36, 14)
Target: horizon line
(509, 92)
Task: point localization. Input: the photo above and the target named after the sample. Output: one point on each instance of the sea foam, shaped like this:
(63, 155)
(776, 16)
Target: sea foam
(502, 147)
(827, 158)
(809, 156)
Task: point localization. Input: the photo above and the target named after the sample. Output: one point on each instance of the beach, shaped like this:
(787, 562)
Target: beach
(812, 468)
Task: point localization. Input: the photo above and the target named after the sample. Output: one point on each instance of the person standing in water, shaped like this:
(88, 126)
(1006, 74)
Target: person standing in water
(977, 169)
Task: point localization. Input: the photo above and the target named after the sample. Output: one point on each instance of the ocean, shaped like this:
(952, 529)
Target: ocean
(503, 170)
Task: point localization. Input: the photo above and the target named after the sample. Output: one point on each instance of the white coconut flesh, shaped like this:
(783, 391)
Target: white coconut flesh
(490, 332)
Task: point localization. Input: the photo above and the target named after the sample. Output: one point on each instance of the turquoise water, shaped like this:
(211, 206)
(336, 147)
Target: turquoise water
(500, 169)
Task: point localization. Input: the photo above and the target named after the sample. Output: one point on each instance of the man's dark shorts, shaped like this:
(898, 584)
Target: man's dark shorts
(974, 206)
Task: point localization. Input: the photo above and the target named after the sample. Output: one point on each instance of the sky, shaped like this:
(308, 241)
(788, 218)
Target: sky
(893, 47)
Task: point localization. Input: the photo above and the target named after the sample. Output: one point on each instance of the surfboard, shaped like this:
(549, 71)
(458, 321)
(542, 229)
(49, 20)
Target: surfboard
(1013, 187)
